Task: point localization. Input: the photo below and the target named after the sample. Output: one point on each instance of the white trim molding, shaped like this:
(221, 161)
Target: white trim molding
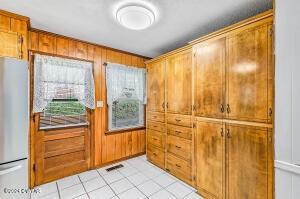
(292, 168)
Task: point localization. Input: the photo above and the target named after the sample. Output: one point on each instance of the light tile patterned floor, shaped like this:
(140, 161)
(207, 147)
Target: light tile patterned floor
(138, 179)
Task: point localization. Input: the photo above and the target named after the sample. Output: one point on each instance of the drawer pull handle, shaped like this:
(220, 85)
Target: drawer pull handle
(154, 116)
(154, 126)
(178, 147)
(155, 139)
(154, 154)
(177, 165)
(177, 120)
(178, 132)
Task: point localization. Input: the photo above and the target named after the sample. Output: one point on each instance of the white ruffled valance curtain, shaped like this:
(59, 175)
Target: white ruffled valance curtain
(54, 73)
(123, 80)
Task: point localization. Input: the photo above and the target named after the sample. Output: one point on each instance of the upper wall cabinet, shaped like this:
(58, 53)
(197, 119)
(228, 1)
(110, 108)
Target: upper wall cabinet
(249, 83)
(13, 36)
(178, 83)
(209, 62)
(156, 86)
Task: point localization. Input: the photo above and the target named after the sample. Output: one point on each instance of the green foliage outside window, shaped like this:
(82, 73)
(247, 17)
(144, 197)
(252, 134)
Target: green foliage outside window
(64, 108)
(125, 112)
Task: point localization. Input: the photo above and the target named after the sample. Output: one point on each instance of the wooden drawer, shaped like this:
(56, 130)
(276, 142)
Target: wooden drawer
(179, 146)
(181, 120)
(156, 156)
(179, 168)
(157, 126)
(155, 116)
(180, 131)
(156, 138)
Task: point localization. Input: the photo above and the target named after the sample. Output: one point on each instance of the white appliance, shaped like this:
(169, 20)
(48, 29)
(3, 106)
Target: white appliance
(14, 128)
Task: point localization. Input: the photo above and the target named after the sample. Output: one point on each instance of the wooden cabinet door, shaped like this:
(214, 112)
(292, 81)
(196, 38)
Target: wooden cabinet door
(247, 164)
(9, 46)
(156, 86)
(248, 68)
(179, 83)
(210, 159)
(209, 89)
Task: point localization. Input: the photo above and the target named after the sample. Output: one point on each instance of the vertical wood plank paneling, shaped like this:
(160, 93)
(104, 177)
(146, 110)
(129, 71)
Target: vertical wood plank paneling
(47, 43)
(62, 46)
(90, 52)
(98, 118)
(142, 148)
(72, 48)
(81, 50)
(33, 41)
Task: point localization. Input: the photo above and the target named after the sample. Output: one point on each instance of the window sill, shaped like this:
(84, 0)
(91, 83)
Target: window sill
(125, 130)
(64, 126)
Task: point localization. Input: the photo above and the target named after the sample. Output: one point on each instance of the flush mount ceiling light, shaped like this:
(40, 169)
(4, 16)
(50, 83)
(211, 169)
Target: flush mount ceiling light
(135, 17)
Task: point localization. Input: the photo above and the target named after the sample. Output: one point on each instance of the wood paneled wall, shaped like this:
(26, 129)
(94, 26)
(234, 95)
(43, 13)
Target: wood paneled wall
(105, 147)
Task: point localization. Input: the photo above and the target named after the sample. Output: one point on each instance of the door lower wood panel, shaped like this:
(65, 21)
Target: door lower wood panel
(61, 153)
(247, 162)
(210, 159)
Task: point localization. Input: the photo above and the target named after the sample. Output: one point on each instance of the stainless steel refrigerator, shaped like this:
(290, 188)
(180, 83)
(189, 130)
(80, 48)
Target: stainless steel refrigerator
(14, 128)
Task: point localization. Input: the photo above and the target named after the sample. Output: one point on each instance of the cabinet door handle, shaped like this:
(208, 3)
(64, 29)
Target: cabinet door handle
(177, 120)
(178, 132)
(222, 132)
(228, 108)
(270, 112)
(167, 105)
(228, 134)
(163, 105)
(178, 147)
(177, 165)
(222, 108)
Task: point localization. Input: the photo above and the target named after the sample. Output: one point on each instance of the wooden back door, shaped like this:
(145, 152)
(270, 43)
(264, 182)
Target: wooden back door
(179, 83)
(210, 159)
(156, 86)
(61, 152)
(247, 162)
(250, 75)
(209, 80)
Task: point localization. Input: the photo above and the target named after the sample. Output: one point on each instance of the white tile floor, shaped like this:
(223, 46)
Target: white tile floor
(138, 179)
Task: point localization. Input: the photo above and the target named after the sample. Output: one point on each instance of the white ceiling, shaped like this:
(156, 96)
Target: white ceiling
(179, 21)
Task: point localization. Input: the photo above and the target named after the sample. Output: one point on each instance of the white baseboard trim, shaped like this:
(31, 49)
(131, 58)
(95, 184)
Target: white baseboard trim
(285, 166)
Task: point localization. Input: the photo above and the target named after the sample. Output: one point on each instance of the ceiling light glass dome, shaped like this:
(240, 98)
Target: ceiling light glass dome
(135, 17)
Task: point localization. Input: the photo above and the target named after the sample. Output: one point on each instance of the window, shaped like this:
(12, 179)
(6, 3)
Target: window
(125, 96)
(63, 89)
(63, 110)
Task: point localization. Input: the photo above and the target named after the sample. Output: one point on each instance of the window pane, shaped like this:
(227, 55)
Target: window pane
(127, 113)
(63, 113)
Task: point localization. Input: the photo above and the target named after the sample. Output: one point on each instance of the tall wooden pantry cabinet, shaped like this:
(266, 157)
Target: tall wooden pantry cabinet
(210, 111)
